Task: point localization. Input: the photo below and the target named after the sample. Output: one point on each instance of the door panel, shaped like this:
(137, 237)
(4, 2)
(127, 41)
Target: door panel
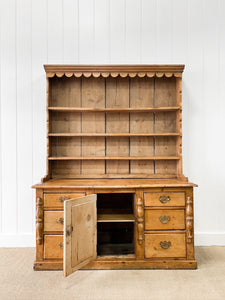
(80, 233)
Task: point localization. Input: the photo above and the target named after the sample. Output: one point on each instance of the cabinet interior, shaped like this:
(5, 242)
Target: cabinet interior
(115, 224)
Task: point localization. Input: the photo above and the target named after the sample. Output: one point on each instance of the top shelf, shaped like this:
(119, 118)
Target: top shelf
(142, 109)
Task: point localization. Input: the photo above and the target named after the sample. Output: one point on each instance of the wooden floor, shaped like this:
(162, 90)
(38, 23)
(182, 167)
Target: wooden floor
(19, 281)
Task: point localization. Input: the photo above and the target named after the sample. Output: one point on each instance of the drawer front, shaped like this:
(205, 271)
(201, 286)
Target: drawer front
(53, 220)
(164, 219)
(165, 245)
(57, 200)
(53, 247)
(165, 199)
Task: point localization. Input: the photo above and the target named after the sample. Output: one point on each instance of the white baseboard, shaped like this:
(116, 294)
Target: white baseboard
(210, 239)
(17, 240)
(28, 240)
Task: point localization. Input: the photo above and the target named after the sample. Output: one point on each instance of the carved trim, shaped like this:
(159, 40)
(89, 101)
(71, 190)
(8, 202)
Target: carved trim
(189, 220)
(140, 220)
(39, 221)
(114, 70)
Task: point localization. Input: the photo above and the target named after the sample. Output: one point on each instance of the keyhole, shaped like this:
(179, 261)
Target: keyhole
(88, 217)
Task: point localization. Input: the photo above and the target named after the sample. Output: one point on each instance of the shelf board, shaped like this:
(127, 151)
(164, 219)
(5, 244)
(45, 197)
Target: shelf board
(115, 158)
(142, 109)
(115, 218)
(112, 134)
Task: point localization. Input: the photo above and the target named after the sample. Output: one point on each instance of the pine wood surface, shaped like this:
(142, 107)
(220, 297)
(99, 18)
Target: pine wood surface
(57, 200)
(174, 199)
(164, 219)
(154, 249)
(114, 129)
(112, 183)
(53, 246)
(107, 114)
(80, 236)
(53, 220)
(115, 218)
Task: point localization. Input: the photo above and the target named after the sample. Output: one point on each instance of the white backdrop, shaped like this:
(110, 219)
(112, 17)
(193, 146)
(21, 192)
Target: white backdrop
(37, 32)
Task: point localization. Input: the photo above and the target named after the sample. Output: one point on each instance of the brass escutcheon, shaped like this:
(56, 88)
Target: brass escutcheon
(165, 244)
(164, 219)
(164, 199)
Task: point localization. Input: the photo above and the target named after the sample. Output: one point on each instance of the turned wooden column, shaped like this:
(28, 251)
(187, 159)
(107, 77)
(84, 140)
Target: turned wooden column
(189, 224)
(39, 224)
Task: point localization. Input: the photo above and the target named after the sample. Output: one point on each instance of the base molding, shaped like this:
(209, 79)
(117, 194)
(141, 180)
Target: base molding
(122, 265)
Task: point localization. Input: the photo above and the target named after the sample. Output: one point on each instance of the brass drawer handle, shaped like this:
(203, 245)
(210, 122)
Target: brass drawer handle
(60, 221)
(164, 219)
(164, 199)
(61, 245)
(165, 244)
(63, 198)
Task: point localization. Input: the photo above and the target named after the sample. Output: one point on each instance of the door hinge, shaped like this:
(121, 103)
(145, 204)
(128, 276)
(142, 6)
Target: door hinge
(69, 229)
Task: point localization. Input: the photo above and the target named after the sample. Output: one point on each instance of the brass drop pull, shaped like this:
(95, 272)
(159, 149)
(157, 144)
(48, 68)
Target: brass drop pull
(164, 199)
(61, 245)
(165, 244)
(63, 198)
(60, 221)
(164, 219)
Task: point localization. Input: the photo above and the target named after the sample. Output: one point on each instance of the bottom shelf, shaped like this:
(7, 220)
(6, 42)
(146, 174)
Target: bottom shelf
(115, 249)
(115, 238)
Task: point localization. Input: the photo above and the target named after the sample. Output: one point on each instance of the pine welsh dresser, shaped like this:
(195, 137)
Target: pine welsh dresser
(114, 196)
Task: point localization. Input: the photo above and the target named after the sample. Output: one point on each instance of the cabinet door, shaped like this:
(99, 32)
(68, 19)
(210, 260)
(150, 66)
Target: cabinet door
(80, 233)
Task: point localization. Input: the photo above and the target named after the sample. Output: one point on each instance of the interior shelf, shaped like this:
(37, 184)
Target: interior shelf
(115, 218)
(111, 134)
(115, 158)
(85, 109)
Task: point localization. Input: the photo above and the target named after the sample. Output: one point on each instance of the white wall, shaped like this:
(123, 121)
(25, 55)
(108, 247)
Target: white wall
(40, 32)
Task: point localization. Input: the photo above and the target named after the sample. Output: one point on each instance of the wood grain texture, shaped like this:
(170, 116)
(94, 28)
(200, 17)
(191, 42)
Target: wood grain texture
(172, 199)
(80, 236)
(154, 247)
(57, 200)
(53, 221)
(114, 68)
(116, 183)
(39, 224)
(164, 219)
(53, 246)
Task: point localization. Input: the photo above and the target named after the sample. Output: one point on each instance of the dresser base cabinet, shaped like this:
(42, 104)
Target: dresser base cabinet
(144, 226)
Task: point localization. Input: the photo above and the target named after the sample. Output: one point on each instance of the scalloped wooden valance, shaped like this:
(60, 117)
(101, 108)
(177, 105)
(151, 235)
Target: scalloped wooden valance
(114, 70)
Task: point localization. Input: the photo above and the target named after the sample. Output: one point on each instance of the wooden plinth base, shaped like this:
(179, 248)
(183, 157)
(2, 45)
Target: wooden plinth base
(122, 265)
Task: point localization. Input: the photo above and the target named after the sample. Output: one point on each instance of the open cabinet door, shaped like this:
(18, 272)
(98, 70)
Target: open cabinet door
(80, 233)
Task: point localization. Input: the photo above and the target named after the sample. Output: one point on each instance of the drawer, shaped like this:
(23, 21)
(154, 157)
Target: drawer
(164, 199)
(53, 247)
(57, 200)
(53, 220)
(165, 245)
(160, 219)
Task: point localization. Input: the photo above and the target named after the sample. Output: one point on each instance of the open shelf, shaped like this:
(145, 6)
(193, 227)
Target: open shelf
(115, 218)
(102, 127)
(112, 134)
(115, 223)
(119, 110)
(115, 158)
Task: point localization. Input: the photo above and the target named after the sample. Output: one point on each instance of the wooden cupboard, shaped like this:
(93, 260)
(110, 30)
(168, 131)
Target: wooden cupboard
(114, 195)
